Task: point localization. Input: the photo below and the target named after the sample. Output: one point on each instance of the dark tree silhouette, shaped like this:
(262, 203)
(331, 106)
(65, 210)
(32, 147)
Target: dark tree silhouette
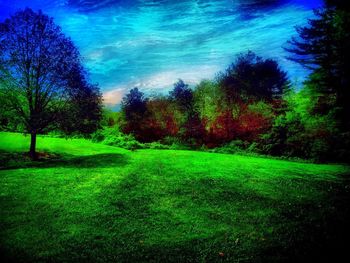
(85, 104)
(341, 4)
(193, 127)
(134, 106)
(42, 78)
(182, 95)
(251, 76)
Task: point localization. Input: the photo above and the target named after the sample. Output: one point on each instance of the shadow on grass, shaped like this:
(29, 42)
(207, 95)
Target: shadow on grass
(10, 161)
(303, 230)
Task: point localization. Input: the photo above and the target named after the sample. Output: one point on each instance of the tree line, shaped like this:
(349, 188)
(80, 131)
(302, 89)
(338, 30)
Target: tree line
(239, 103)
(253, 103)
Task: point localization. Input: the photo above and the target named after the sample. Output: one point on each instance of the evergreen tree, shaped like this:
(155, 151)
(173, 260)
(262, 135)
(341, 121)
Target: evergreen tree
(323, 46)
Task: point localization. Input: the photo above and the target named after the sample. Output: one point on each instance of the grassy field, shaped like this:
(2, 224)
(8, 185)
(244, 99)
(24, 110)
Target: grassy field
(91, 202)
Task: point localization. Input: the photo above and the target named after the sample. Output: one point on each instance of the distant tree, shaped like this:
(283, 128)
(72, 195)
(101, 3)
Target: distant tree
(134, 107)
(162, 117)
(207, 99)
(42, 79)
(251, 77)
(110, 118)
(223, 129)
(323, 46)
(195, 129)
(84, 104)
(192, 126)
(182, 95)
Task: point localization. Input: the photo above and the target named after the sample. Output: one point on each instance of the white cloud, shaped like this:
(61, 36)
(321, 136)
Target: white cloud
(159, 81)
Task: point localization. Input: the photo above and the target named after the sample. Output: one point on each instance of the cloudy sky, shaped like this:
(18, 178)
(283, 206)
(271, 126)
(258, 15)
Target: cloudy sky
(152, 43)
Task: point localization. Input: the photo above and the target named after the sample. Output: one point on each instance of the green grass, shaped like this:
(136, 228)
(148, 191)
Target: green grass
(97, 203)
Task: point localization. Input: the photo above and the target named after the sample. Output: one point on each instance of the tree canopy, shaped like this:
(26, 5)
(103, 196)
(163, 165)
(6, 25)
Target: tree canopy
(250, 76)
(135, 109)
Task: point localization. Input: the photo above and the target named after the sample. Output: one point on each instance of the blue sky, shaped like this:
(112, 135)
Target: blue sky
(151, 44)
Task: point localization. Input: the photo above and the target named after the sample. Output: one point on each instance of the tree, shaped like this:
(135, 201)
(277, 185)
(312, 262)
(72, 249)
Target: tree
(323, 47)
(192, 125)
(207, 100)
(182, 95)
(162, 116)
(84, 104)
(134, 107)
(251, 77)
(42, 78)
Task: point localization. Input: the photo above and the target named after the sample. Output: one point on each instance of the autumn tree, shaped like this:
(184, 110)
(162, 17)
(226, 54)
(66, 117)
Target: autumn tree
(42, 79)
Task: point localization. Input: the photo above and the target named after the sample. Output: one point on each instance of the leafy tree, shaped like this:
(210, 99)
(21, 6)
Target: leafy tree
(42, 78)
(84, 104)
(207, 100)
(163, 117)
(192, 126)
(134, 107)
(251, 77)
(223, 129)
(182, 95)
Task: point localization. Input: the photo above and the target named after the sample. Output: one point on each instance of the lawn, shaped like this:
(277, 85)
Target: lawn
(91, 202)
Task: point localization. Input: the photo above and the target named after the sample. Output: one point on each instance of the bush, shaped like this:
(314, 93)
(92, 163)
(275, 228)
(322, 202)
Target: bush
(113, 137)
(156, 145)
(236, 146)
(175, 143)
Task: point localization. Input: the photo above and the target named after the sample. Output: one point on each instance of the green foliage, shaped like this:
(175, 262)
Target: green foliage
(251, 77)
(156, 146)
(9, 120)
(322, 46)
(262, 108)
(236, 146)
(207, 97)
(239, 104)
(303, 131)
(175, 143)
(112, 136)
(111, 118)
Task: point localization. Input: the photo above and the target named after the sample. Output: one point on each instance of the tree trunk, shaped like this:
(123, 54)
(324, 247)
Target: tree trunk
(32, 148)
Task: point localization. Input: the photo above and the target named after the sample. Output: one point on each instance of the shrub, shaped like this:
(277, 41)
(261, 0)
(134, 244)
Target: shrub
(113, 137)
(175, 143)
(156, 145)
(236, 146)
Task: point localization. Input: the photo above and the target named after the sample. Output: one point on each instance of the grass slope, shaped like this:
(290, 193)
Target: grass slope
(92, 202)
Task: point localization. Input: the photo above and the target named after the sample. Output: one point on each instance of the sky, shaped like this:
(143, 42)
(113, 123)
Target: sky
(150, 44)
